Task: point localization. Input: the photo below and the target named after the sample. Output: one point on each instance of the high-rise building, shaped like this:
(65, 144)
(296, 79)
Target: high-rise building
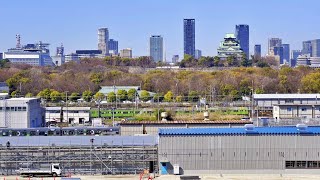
(103, 38)
(59, 58)
(273, 42)
(126, 53)
(294, 56)
(286, 53)
(257, 51)
(242, 34)
(113, 47)
(278, 51)
(175, 58)
(156, 48)
(315, 45)
(306, 47)
(197, 54)
(189, 36)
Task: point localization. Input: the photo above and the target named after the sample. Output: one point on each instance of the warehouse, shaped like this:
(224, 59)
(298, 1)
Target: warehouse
(152, 127)
(249, 149)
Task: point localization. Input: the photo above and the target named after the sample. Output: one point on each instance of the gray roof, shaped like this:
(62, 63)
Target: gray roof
(286, 96)
(79, 140)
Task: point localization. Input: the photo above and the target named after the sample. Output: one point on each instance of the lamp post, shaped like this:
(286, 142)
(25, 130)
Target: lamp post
(91, 141)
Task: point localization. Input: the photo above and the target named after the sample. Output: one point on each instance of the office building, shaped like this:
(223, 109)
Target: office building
(1, 56)
(197, 54)
(257, 51)
(175, 58)
(73, 57)
(229, 47)
(21, 113)
(103, 38)
(306, 47)
(126, 53)
(242, 35)
(156, 48)
(37, 54)
(89, 54)
(189, 36)
(273, 42)
(113, 47)
(286, 53)
(278, 53)
(294, 56)
(315, 45)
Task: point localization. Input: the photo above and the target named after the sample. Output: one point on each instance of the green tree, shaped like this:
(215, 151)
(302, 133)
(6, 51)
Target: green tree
(216, 61)
(99, 96)
(45, 94)
(193, 96)
(158, 97)
(96, 77)
(122, 95)
(145, 95)
(232, 61)
(87, 95)
(55, 96)
(132, 94)
(111, 97)
(311, 83)
(15, 93)
(4, 63)
(262, 64)
(179, 99)
(168, 97)
(29, 95)
(245, 61)
(74, 96)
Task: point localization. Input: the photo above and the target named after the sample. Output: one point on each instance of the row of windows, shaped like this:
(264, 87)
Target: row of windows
(302, 164)
(13, 108)
(302, 109)
(69, 111)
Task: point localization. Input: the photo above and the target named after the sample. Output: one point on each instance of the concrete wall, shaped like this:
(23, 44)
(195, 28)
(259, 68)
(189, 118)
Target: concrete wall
(210, 154)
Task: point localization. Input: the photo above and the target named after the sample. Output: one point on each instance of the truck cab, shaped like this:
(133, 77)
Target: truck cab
(56, 169)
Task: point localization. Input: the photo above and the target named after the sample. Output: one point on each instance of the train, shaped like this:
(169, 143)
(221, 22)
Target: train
(63, 131)
(127, 113)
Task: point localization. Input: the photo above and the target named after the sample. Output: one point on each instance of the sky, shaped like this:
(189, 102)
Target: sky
(75, 22)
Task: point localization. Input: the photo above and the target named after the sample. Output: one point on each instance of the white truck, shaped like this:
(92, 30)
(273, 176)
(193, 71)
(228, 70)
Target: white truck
(53, 170)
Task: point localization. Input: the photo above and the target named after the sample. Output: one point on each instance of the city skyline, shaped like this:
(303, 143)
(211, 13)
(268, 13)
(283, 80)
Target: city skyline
(57, 24)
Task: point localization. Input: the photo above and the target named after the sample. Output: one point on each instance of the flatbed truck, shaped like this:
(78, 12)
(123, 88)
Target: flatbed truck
(53, 170)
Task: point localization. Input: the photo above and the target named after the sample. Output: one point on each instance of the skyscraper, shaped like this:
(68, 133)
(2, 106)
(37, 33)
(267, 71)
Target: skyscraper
(286, 53)
(175, 58)
(189, 36)
(113, 47)
(278, 51)
(257, 51)
(156, 48)
(294, 56)
(126, 53)
(273, 42)
(306, 47)
(103, 38)
(242, 34)
(315, 45)
(197, 54)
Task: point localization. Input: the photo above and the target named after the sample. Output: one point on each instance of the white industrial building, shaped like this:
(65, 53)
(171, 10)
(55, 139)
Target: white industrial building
(281, 150)
(21, 113)
(70, 115)
(288, 111)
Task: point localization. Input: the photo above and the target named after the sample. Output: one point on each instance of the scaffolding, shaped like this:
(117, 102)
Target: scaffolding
(81, 159)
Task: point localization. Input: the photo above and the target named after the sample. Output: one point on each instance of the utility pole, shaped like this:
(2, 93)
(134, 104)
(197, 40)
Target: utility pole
(67, 107)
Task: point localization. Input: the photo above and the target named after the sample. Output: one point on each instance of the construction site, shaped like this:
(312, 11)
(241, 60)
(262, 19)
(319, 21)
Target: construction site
(80, 154)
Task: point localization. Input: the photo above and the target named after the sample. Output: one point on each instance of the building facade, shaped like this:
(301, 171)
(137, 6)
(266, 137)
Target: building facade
(278, 53)
(303, 111)
(265, 150)
(126, 53)
(103, 38)
(113, 47)
(286, 53)
(307, 47)
(294, 56)
(74, 116)
(175, 58)
(21, 113)
(156, 48)
(315, 44)
(229, 47)
(197, 54)
(242, 35)
(189, 36)
(273, 42)
(257, 51)
(37, 54)
(89, 54)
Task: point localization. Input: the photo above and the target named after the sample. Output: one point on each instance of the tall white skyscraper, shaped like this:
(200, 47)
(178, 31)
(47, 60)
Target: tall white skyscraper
(103, 38)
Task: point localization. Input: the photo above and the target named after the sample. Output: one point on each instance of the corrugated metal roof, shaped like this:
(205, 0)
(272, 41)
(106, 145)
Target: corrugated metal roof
(290, 130)
(188, 122)
(286, 96)
(79, 140)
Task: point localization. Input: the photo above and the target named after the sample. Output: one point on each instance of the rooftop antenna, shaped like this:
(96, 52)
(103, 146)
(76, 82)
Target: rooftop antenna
(18, 38)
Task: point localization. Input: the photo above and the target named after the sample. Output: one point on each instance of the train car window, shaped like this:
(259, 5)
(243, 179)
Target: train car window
(80, 132)
(33, 133)
(14, 133)
(51, 133)
(23, 133)
(64, 132)
(71, 132)
(42, 133)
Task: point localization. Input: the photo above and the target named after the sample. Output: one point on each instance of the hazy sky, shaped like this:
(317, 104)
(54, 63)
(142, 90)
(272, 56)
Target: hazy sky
(75, 22)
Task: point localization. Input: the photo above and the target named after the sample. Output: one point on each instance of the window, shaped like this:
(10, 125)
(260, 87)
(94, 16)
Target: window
(303, 109)
(289, 109)
(288, 101)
